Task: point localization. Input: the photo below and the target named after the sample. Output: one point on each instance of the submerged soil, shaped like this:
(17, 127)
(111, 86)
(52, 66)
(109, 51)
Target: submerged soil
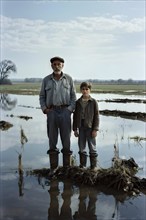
(124, 114)
(125, 100)
(4, 125)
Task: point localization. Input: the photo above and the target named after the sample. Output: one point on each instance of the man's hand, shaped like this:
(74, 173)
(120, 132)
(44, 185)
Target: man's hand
(47, 110)
(94, 133)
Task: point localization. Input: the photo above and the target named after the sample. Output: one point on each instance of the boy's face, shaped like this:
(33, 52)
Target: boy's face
(85, 91)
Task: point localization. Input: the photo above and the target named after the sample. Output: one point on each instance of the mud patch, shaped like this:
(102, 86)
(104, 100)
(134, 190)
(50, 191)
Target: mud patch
(124, 114)
(125, 100)
(20, 116)
(4, 125)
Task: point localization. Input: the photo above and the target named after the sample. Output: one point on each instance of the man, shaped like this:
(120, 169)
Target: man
(57, 101)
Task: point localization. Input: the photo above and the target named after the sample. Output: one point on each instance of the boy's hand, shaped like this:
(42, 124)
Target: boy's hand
(76, 134)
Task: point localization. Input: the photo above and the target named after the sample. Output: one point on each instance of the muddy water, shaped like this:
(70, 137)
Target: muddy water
(28, 197)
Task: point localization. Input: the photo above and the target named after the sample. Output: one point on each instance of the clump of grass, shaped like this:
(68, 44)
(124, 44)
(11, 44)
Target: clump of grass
(23, 137)
(120, 177)
(4, 125)
(138, 138)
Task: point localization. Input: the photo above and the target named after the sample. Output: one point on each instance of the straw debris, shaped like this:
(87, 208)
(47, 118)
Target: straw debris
(120, 177)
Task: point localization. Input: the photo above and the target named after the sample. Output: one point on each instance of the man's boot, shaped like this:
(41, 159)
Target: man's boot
(83, 159)
(53, 155)
(66, 158)
(93, 161)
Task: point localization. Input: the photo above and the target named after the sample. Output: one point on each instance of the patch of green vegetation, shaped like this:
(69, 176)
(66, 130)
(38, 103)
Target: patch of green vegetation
(137, 89)
(34, 88)
(21, 88)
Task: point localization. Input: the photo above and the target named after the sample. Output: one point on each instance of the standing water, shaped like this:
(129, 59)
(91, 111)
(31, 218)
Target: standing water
(30, 197)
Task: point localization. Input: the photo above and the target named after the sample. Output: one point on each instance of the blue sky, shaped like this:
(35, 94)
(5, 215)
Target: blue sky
(97, 39)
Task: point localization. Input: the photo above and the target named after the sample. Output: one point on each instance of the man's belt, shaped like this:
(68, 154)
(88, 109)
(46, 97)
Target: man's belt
(58, 106)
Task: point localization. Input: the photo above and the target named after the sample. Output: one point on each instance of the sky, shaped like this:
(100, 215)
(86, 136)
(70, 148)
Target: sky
(101, 40)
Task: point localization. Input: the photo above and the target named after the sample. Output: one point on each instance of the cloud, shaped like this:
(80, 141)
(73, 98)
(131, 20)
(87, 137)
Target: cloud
(19, 34)
(8, 176)
(115, 24)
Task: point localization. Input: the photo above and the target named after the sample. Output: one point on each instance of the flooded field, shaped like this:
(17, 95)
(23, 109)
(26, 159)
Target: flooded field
(25, 196)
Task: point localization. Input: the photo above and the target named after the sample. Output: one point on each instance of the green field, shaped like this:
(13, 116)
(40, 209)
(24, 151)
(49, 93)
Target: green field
(115, 88)
(34, 88)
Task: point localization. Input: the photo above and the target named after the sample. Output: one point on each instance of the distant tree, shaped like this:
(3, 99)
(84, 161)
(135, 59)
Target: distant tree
(130, 81)
(32, 80)
(120, 81)
(6, 67)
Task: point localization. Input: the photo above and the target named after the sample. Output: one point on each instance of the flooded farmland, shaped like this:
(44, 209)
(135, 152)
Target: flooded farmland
(25, 196)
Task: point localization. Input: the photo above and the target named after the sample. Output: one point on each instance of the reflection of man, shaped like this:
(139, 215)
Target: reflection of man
(66, 212)
(86, 208)
(53, 211)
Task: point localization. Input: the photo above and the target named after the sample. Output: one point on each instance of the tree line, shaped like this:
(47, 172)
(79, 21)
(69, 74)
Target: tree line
(7, 67)
(95, 81)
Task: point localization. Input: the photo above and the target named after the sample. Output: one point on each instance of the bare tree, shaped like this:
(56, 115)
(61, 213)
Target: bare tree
(6, 103)
(6, 67)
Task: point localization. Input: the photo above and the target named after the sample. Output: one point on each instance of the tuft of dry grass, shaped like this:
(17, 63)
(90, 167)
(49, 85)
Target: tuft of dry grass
(120, 177)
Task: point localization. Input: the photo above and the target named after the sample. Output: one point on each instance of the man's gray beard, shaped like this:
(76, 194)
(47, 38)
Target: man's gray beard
(57, 72)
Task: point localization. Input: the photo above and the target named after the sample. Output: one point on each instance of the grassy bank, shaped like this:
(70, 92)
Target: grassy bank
(34, 88)
(124, 89)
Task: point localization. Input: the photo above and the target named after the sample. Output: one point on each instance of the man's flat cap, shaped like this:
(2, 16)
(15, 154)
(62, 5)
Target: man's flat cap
(57, 58)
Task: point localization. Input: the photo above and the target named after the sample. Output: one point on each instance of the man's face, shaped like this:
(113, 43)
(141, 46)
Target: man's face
(57, 66)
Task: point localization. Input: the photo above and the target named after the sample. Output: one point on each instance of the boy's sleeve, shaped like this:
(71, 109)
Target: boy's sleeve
(96, 117)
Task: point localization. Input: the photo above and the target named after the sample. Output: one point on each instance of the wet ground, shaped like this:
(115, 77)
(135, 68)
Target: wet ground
(31, 197)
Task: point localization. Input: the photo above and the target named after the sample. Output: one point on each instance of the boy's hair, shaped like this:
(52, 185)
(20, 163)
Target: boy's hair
(85, 84)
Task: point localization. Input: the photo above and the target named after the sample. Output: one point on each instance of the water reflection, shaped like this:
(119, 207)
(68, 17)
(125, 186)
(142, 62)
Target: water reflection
(23, 140)
(65, 211)
(21, 182)
(87, 204)
(64, 201)
(6, 103)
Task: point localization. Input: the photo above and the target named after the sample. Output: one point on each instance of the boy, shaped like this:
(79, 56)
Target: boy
(86, 125)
